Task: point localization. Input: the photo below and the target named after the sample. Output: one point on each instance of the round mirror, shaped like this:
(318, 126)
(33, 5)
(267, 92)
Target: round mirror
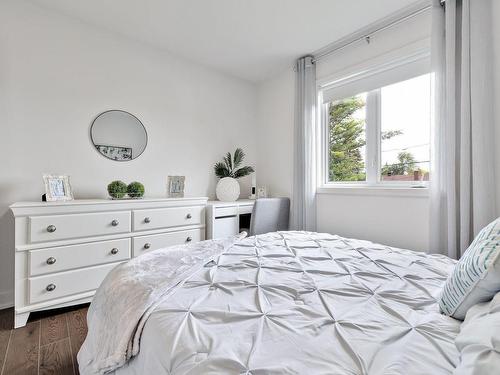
(118, 135)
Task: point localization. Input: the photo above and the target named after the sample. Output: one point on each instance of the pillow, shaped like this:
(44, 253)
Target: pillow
(476, 276)
(479, 340)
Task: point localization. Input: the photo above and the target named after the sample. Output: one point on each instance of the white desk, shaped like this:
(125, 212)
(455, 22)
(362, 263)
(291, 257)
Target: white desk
(228, 218)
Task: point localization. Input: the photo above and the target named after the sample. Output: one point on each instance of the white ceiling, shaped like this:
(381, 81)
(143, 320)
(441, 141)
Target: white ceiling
(251, 39)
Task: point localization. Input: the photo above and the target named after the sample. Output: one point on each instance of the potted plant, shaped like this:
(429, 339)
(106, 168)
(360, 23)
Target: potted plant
(117, 189)
(135, 190)
(228, 170)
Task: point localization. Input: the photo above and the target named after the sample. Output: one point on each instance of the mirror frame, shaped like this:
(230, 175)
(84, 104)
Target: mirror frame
(117, 110)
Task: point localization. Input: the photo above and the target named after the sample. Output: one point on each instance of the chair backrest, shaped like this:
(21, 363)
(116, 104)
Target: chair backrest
(269, 215)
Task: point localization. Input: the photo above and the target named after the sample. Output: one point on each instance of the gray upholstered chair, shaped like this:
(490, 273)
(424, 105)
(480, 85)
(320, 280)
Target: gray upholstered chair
(269, 215)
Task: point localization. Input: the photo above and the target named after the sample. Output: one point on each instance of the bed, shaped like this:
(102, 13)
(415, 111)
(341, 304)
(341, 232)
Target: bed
(279, 303)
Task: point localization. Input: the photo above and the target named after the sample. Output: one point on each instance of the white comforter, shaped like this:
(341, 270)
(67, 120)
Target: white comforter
(299, 303)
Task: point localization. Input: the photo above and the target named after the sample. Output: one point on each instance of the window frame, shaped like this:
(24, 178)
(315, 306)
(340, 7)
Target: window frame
(373, 132)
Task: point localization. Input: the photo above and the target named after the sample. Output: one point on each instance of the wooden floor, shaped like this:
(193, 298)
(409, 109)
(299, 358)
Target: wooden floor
(48, 344)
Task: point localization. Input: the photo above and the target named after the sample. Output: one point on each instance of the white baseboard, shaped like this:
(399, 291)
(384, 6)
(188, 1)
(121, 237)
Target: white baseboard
(6, 300)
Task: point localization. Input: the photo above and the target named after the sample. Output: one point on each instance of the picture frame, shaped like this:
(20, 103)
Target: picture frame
(262, 192)
(175, 186)
(118, 153)
(57, 188)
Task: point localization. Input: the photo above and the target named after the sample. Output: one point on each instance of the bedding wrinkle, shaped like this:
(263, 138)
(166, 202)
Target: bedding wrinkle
(132, 291)
(291, 303)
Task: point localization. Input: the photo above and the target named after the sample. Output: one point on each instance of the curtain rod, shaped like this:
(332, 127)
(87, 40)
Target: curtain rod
(367, 32)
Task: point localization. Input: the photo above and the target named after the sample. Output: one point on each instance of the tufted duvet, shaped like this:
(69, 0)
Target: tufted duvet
(302, 303)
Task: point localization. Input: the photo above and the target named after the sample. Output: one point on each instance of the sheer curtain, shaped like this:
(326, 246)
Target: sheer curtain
(462, 180)
(304, 177)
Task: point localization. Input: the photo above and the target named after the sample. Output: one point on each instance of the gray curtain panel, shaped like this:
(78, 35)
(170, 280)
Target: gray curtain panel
(303, 215)
(463, 175)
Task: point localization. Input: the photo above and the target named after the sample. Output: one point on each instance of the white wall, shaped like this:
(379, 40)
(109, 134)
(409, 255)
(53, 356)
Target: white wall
(397, 221)
(57, 74)
(275, 134)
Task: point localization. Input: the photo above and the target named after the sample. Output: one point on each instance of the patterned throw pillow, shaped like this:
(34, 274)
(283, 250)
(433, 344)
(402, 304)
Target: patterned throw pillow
(476, 277)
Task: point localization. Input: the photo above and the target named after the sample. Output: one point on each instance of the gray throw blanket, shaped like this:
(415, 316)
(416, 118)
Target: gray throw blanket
(129, 295)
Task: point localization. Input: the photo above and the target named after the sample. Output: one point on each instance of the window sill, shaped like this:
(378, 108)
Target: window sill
(391, 191)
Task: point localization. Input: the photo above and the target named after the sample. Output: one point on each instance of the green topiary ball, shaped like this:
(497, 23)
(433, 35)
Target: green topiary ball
(117, 189)
(135, 190)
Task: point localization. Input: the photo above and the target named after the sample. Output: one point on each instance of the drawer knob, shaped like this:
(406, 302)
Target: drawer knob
(147, 220)
(147, 245)
(189, 239)
(188, 216)
(114, 251)
(51, 260)
(51, 228)
(50, 287)
(115, 223)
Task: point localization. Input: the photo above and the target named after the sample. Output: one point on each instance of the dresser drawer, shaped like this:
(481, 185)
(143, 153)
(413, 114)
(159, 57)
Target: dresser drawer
(59, 227)
(147, 243)
(167, 217)
(57, 259)
(43, 288)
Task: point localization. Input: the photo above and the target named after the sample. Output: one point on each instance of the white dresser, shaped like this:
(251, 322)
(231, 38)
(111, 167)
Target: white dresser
(63, 250)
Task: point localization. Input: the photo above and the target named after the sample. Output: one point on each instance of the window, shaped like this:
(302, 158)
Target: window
(347, 139)
(405, 130)
(380, 136)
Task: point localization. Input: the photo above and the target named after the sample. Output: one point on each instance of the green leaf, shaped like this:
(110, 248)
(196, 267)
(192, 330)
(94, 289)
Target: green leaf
(228, 160)
(228, 166)
(221, 170)
(390, 134)
(346, 137)
(239, 155)
(242, 172)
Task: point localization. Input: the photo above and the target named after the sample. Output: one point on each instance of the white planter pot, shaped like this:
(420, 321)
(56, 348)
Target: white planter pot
(227, 190)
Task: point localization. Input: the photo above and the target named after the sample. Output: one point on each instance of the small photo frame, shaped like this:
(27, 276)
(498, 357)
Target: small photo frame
(57, 188)
(175, 186)
(262, 192)
(119, 153)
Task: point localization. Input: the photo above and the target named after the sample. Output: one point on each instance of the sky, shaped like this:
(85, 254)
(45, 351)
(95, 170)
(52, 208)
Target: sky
(405, 106)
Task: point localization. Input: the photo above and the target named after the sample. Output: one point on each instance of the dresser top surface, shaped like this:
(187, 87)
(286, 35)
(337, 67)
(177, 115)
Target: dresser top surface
(79, 202)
